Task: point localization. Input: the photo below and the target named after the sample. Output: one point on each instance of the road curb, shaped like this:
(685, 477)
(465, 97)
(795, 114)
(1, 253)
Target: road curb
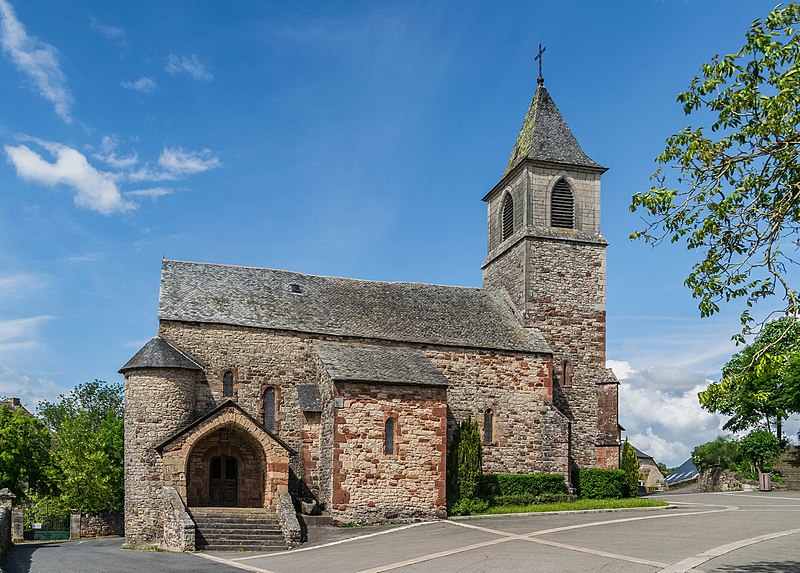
(571, 512)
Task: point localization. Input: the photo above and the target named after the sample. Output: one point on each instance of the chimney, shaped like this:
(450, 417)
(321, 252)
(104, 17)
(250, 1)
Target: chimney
(14, 402)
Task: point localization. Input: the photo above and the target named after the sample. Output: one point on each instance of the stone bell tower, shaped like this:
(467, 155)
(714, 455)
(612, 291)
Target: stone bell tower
(547, 254)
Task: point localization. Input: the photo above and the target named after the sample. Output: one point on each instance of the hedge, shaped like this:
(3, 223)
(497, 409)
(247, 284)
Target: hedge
(602, 484)
(528, 485)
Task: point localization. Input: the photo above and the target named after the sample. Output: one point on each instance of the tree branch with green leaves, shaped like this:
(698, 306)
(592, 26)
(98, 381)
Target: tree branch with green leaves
(731, 192)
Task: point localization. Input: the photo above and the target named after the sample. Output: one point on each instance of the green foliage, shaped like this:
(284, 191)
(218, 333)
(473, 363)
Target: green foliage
(579, 505)
(24, 453)
(88, 450)
(721, 453)
(533, 485)
(464, 466)
(524, 499)
(602, 484)
(469, 506)
(630, 465)
(664, 469)
(761, 449)
(760, 384)
(735, 199)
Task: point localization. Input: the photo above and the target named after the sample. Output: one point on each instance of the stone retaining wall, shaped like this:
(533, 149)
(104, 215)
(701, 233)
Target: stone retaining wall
(6, 500)
(104, 524)
(715, 479)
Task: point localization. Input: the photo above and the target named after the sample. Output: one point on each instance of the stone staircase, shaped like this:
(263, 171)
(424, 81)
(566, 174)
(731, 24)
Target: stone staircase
(237, 529)
(789, 468)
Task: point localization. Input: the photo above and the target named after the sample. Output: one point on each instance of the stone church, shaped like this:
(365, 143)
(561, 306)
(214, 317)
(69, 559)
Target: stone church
(268, 387)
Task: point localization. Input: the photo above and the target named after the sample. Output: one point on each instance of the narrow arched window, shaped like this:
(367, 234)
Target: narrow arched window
(508, 217)
(388, 437)
(269, 409)
(227, 384)
(488, 422)
(566, 373)
(562, 206)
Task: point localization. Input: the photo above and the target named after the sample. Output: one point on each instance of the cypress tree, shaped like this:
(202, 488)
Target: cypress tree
(630, 464)
(464, 464)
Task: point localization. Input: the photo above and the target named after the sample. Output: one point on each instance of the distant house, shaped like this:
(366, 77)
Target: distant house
(651, 478)
(15, 404)
(686, 472)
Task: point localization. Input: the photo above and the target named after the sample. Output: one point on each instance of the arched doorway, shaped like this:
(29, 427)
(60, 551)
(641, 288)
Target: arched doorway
(227, 467)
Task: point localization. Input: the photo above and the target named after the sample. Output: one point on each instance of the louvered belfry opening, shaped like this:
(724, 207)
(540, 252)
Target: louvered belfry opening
(562, 206)
(508, 217)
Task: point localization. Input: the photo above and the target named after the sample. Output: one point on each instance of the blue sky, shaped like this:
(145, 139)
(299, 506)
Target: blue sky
(337, 138)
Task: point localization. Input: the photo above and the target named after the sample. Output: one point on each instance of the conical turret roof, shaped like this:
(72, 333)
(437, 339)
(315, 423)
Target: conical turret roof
(158, 353)
(545, 136)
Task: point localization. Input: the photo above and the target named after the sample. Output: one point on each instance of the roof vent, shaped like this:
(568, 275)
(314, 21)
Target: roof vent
(295, 288)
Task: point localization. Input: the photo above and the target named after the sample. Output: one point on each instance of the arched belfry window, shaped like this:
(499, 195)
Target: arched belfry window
(227, 384)
(488, 426)
(269, 409)
(562, 206)
(566, 373)
(388, 437)
(508, 217)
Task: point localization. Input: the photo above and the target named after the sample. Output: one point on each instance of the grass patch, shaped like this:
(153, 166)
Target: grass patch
(581, 504)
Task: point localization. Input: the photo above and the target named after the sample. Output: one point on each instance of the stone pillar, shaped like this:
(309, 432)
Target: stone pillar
(6, 501)
(17, 525)
(75, 524)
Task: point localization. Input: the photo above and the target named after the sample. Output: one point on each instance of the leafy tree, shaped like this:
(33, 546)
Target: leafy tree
(88, 449)
(722, 453)
(664, 469)
(760, 384)
(630, 465)
(24, 452)
(465, 461)
(761, 449)
(736, 195)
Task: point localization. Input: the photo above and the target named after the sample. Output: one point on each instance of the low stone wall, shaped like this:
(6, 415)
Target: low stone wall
(179, 527)
(109, 523)
(715, 479)
(290, 526)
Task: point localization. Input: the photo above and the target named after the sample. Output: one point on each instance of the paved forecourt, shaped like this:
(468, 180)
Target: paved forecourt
(705, 532)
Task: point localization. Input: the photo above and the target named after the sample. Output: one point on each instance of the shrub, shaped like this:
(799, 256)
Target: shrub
(630, 465)
(496, 485)
(602, 484)
(464, 463)
(760, 448)
(469, 507)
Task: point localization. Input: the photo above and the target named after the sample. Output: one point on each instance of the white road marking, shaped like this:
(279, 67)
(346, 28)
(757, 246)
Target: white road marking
(691, 562)
(598, 553)
(764, 496)
(332, 543)
(233, 563)
(506, 537)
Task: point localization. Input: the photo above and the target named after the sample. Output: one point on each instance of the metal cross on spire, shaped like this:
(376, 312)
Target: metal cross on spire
(540, 79)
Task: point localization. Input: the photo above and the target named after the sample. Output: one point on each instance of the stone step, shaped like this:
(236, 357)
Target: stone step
(234, 521)
(271, 526)
(228, 547)
(238, 538)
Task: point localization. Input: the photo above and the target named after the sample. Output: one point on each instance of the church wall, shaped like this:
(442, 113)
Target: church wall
(260, 359)
(566, 302)
(370, 485)
(158, 402)
(529, 434)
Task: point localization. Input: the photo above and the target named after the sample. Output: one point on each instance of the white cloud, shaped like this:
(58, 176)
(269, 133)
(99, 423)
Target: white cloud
(143, 84)
(36, 59)
(659, 409)
(13, 286)
(153, 192)
(185, 65)
(108, 154)
(92, 189)
(30, 391)
(181, 162)
(111, 32)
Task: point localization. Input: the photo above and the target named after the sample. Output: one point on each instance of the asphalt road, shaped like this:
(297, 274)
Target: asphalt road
(731, 533)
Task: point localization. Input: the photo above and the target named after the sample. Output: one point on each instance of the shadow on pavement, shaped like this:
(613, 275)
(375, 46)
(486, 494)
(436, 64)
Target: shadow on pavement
(762, 567)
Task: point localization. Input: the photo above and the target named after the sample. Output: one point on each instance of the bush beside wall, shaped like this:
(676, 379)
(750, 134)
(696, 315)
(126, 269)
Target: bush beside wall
(602, 484)
(532, 485)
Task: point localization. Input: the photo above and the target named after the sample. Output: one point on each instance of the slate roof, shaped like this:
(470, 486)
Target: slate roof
(685, 472)
(310, 400)
(216, 411)
(386, 364)
(640, 454)
(158, 353)
(393, 311)
(545, 136)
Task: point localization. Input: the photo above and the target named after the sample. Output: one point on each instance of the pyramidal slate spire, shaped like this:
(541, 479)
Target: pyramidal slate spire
(545, 136)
